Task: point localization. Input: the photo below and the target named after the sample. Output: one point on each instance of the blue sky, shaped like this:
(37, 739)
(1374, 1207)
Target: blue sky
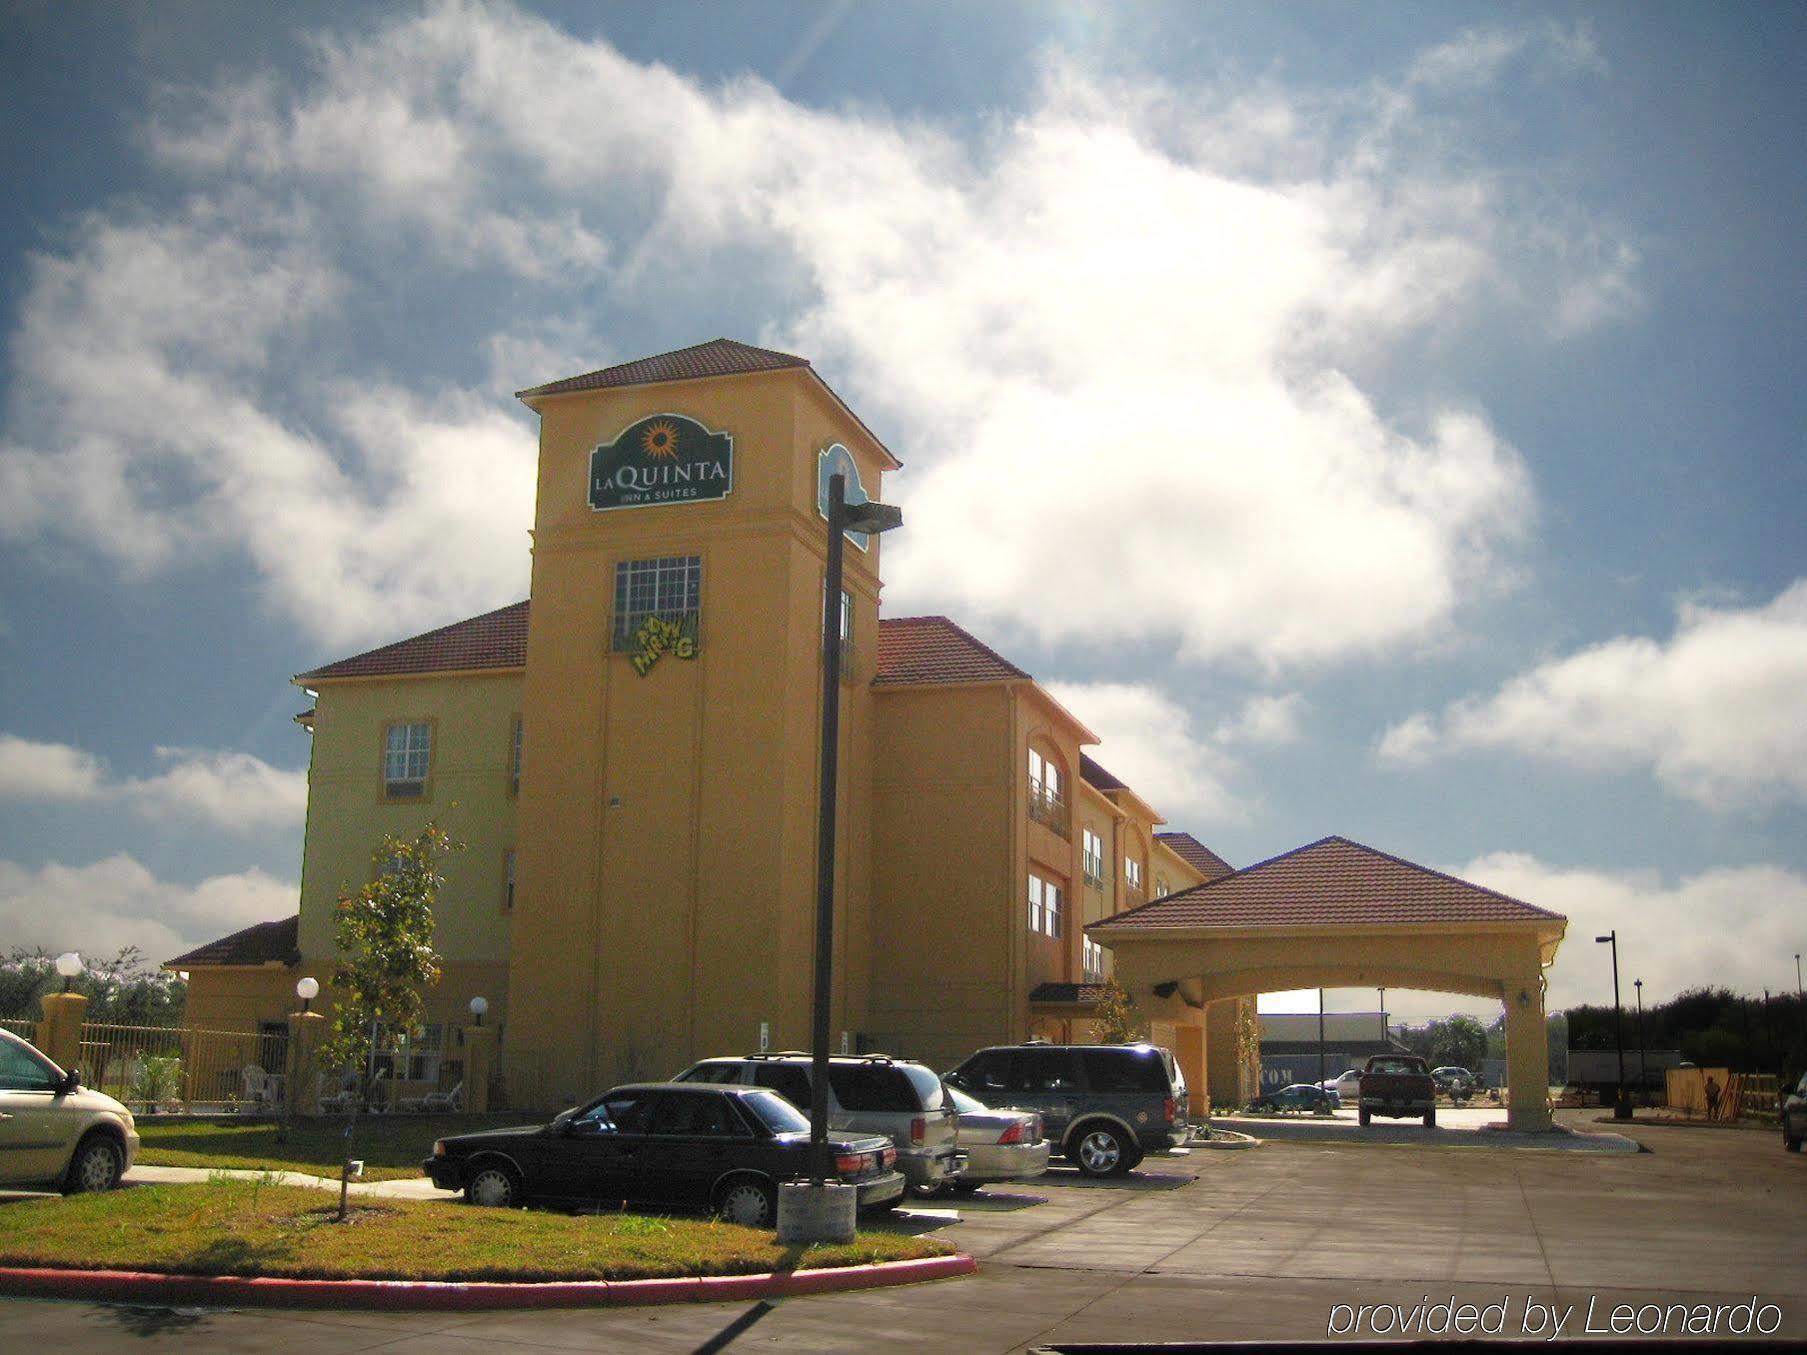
(1421, 382)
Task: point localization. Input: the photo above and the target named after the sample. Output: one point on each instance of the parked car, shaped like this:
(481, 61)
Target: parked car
(720, 1148)
(1347, 1085)
(1456, 1083)
(1299, 1096)
(867, 1094)
(54, 1132)
(1105, 1106)
(1001, 1144)
(1399, 1086)
(1794, 1116)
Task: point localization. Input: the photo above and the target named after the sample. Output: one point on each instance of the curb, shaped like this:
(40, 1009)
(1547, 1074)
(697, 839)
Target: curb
(124, 1286)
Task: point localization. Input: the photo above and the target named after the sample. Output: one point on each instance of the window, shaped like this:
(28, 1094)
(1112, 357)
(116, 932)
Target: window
(1125, 1070)
(1091, 858)
(1044, 906)
(1043, 1070)
(396, 1056)
(407, 759)
(670, 589)
(1132, 873)
(1091, 961)
(514, 758)
(508, 881)
(790, 1082)
(1046, 804)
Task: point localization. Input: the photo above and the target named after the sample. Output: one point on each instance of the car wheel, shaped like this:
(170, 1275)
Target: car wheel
(97, 1165)
(1100, 1151)
(494, 1187)
(1362, 1115)
(749, 1201)
(1430, 1119)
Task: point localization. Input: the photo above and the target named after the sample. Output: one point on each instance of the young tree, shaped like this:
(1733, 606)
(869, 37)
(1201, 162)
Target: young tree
(1116, 1016)
(384, 936)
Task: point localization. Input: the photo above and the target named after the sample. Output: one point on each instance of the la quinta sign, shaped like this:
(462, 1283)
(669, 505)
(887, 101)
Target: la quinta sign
(662, 459)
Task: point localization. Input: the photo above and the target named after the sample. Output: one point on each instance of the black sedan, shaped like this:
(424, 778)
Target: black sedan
(663, 1143)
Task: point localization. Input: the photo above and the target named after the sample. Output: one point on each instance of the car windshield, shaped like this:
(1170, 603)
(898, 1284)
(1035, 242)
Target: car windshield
(775, 1113)
(966, 1105)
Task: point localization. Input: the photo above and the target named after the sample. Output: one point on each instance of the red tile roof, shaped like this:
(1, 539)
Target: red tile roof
(496, 639)
(1330, 883)
(1195, 854)
(911, 649)
(718, 357)
(256, 945)
(925, 649)
(1096, 777)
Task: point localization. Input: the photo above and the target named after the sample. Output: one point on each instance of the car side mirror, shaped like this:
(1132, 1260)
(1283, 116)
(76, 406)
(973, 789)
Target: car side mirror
(72, 1081)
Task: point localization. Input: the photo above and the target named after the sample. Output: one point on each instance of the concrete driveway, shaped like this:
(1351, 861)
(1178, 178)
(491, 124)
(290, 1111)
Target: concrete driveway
(1285, 1242)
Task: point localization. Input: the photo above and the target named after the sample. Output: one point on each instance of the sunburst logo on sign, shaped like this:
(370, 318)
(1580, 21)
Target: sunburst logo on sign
(660, 440)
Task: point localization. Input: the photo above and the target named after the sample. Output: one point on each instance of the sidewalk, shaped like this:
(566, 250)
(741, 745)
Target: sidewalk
(411, 1188)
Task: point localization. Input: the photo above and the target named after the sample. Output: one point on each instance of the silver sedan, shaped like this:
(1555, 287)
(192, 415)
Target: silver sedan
(1000, 1145)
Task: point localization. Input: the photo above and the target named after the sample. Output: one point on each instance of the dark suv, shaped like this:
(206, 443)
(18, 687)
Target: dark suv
(1105, 1105)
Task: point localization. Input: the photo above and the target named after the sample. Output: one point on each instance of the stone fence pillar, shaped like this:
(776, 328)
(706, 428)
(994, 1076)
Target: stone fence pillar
(301, 1075)
(60, 1032)
(479, 1062)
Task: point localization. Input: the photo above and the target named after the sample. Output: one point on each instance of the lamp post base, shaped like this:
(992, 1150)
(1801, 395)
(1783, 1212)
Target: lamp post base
(823, 1213)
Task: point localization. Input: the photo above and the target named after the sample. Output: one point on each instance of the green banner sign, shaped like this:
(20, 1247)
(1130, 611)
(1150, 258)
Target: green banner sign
(663, 459)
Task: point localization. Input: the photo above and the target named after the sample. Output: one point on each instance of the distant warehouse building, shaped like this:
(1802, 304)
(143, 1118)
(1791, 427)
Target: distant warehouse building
(1290, 1046)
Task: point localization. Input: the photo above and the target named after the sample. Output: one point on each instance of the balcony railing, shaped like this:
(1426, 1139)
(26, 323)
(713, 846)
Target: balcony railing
(1049, 810)
(1093, 873)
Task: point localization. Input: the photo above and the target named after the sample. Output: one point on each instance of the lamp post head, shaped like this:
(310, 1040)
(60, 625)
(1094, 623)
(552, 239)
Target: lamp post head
(870, 517)
(479, 1005)
(307, 990)
(68, 964)
(1610, 936)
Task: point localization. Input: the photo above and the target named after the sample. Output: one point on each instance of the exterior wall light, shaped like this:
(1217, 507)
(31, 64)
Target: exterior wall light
(68, 964)
(479, 1005)
(307, 990)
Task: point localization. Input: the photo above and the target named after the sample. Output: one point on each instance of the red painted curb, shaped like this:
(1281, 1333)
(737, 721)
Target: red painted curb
(240, 1291)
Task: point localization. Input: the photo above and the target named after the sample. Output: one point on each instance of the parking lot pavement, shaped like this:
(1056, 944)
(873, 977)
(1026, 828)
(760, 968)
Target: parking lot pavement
(1289, 1241)
(1456, 1127)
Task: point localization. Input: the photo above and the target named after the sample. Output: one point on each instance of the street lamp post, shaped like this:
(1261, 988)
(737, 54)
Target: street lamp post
(1621, 1107)
(1643, 1077)
(1383, 1014)
(843, 517)
(1320, 1037)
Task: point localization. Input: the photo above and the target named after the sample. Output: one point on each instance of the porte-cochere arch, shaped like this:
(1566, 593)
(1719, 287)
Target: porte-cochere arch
(1336, 914)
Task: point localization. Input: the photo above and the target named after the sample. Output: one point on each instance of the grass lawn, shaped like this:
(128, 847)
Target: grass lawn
(230, 1227)
(392, 1146)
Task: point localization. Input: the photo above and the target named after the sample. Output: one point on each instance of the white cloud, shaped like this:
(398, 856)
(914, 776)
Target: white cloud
(1149, 745)
(99, 908)
(1734, 926)
(228, 790)
(47, 771)
(1718, 714)
(1143, 308)
(1266, 719)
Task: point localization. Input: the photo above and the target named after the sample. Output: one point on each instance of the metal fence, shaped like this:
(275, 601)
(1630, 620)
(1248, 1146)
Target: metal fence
(176, 1066)
(24, 1027)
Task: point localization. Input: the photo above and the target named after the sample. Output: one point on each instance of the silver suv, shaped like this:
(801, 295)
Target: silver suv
(54, 1132)
(871, 1094)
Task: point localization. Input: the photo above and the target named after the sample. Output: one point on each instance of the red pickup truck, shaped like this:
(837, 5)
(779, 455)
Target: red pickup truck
(1398, 1086)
